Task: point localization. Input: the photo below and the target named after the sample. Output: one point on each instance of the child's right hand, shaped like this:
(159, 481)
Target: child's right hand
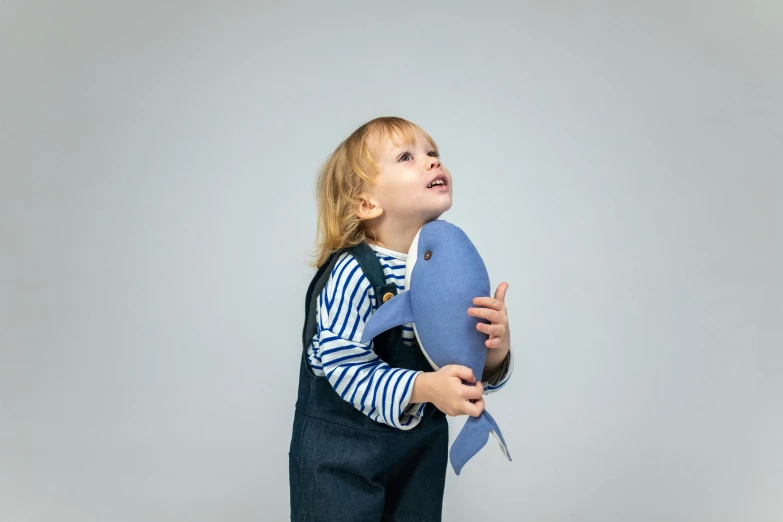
(444, 388)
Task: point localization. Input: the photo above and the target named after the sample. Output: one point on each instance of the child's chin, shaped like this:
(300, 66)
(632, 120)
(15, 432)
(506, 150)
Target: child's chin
(437, 213)
(445, 206)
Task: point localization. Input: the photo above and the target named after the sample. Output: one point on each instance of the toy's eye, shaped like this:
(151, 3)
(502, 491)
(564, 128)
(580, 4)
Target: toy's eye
(427, 255)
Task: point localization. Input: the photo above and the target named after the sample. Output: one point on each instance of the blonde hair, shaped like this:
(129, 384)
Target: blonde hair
(343, 177)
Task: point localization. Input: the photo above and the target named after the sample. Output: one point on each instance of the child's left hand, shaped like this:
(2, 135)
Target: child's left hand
(494, 310)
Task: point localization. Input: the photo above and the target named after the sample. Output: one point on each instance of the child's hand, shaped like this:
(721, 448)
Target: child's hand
(444, 388)
(494, 310)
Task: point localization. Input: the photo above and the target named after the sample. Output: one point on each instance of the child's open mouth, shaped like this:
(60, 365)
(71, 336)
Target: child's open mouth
(438, 183)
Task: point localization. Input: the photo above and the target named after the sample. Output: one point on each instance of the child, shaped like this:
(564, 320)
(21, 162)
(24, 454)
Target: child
(370, 436)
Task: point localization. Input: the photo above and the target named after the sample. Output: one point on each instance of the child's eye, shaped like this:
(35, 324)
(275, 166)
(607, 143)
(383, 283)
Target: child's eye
(405, 156)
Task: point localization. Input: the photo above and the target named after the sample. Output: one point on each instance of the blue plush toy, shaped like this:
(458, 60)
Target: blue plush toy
(444, 273)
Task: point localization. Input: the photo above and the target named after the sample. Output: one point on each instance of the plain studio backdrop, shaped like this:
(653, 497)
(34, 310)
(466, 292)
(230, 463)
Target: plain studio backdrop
(619, 164)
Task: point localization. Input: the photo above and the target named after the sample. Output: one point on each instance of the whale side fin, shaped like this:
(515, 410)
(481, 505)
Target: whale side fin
(394, 312)
(473, 437)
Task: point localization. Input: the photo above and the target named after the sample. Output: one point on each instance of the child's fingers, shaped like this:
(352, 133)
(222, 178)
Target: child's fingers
(500, 293)
(474, 409)
(463, 372)
(489, 314)
(489, 302)
(475, 391)
(492, 343)
(498, 330)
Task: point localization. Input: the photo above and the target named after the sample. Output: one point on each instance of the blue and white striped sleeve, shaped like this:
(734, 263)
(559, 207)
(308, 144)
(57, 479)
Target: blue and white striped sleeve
(502, 376)
(352, 368)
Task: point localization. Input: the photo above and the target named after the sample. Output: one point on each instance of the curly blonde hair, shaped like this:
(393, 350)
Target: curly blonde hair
(344, 176)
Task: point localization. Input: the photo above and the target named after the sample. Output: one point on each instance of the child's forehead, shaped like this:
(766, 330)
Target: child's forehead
(382, 140)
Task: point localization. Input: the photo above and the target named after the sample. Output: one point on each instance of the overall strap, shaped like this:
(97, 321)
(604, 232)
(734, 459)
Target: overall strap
(311, 299)
(385, 343)
(371, 266)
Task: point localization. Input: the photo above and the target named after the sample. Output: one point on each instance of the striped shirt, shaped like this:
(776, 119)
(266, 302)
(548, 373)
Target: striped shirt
(352, 368)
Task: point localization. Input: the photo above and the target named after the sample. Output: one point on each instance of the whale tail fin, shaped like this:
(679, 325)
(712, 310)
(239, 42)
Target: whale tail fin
(473, 437)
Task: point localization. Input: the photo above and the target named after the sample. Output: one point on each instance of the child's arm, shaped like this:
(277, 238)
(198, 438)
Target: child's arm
(500, 360)
(495, 381)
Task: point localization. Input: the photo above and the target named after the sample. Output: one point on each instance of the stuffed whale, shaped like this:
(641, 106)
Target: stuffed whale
(443, 273)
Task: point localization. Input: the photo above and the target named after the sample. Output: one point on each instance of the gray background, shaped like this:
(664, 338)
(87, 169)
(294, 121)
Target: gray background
(619, 164)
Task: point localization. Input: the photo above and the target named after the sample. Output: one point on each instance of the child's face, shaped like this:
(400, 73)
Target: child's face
(403, 187)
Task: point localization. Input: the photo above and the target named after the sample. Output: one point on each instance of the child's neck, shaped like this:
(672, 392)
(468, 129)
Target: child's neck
(397, 239)
(401, 247)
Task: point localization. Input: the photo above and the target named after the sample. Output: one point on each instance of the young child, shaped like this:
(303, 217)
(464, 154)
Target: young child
(370, 436)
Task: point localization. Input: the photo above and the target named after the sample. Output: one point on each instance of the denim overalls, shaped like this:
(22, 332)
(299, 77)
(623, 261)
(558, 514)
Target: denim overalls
(343, 466)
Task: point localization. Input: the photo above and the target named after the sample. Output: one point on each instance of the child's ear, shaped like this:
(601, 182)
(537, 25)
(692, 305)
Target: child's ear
(367, 207)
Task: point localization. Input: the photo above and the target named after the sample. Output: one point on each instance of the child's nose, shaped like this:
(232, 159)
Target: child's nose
(432, 162)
